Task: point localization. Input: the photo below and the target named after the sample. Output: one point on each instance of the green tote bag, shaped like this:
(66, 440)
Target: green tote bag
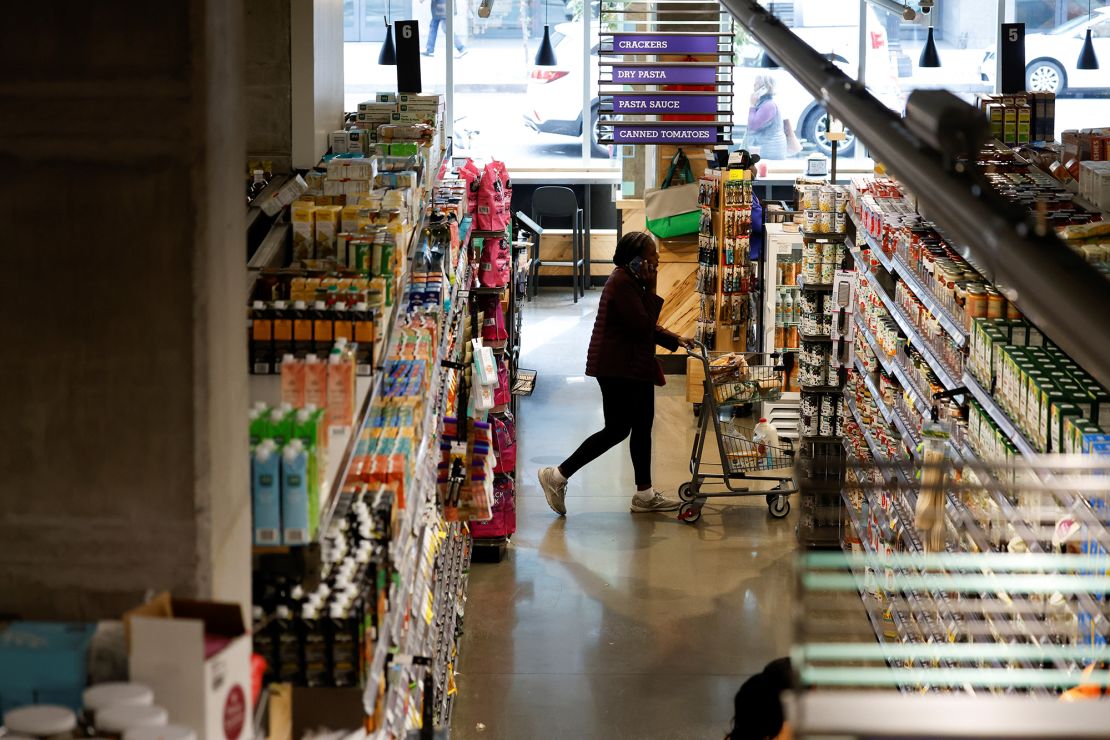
(672, 210)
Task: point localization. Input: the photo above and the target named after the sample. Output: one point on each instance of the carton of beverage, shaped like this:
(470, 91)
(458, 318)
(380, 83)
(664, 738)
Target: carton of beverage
(292, 381)
(266, 494)
(315, 382)
(296, 515)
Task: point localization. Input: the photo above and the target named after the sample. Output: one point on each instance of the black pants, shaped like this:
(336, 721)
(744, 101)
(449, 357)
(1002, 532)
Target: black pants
(629, 407)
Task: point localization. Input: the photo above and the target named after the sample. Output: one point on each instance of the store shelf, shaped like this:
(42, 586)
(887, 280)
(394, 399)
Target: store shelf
(887, 414)
(908, 328)
(803, 285)
(949, 322)
(872, 244)
(815, 338)
(392, 319)
(891, 366)
(877, 452)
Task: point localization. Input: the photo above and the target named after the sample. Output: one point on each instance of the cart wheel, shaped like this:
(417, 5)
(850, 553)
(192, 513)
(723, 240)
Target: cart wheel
(771, 498)
(689, 512)
(780, 507)
(697, 410)
(687, 492)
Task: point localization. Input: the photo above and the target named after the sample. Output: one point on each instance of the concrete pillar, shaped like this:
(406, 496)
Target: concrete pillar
(123, 462)
(294, 79)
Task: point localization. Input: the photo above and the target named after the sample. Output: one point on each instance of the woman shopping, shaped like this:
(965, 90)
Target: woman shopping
(622, 358)
(766, 133)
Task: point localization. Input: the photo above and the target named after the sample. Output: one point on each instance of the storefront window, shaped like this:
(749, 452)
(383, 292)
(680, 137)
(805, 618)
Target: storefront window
(1054, 35)
(504, 106)
(774, 114)
(963, 33)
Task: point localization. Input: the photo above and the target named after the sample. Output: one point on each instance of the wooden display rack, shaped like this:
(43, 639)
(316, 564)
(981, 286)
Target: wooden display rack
(729, 337)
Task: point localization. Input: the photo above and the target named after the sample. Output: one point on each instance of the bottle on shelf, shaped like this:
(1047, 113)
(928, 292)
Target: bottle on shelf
(257, 185)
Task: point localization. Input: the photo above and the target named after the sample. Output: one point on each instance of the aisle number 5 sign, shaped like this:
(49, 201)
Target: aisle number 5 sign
(1011, 55)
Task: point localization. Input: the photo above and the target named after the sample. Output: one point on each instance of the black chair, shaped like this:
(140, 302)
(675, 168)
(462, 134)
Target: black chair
(555, 206)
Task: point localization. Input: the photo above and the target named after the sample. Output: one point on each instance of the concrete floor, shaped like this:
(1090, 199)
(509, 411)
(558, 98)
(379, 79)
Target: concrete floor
(608, 624)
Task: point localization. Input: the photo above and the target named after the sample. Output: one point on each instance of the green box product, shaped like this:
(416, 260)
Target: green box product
(404, 149)
(1013, 382)
(1061, 412)
(973, 415)
(1078, 397)
(1001, 363)
(1050, 430)
(1080, 430)
(1019, 332)
(1037, 385)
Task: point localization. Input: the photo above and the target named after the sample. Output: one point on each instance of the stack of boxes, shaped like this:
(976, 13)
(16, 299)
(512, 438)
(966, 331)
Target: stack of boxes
(1022, 118)
(389, 108)
(1057, 405)
(1086, 145)
(1094, 182)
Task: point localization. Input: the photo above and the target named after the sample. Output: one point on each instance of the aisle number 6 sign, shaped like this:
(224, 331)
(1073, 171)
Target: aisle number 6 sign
(408, 56)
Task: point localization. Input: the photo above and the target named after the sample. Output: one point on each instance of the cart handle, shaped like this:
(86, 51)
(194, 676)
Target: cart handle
(697, 349)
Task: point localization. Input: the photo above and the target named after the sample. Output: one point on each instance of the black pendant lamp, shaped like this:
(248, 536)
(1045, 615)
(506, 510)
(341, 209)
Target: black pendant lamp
(545, 55)
(929, 56)
(388, 54)
(1087, 57)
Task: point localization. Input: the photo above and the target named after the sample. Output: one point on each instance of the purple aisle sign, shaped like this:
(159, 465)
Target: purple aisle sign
(656, 105)
(676, 75)
(664, 43)
(648, 134)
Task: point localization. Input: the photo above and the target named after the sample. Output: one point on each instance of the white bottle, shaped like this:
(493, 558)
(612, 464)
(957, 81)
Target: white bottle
(766, 440)
(788, 307)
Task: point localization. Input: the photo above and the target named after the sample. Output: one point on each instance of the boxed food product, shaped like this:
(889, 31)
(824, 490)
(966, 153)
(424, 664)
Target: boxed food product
(1024, 124)
(327, 226)
(349, 218)
(337, 140)
(302, 214)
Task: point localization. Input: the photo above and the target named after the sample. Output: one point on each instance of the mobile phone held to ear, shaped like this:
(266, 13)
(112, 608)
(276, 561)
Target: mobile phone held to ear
(635, 264)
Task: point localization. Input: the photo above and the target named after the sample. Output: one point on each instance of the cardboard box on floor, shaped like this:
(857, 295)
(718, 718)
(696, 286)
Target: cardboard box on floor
(195, 655)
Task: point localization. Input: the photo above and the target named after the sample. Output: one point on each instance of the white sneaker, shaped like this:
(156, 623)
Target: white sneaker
(652, 500)
(553, 490)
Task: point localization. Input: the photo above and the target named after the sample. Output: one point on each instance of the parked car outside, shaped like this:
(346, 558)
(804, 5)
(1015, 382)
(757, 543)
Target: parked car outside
(1051, 57)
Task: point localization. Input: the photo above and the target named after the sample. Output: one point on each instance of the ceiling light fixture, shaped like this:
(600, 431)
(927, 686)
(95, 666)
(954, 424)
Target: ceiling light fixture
(929, 56)
(545, 55)
(1087, 57)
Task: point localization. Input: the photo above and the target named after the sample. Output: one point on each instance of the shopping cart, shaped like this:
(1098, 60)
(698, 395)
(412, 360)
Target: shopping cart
(733, 378)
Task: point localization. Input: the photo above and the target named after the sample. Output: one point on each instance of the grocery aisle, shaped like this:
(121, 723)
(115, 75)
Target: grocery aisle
(608, 624)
